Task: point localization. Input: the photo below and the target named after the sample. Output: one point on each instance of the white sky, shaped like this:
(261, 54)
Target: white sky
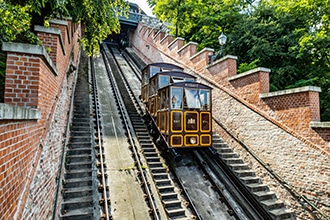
(144, 5)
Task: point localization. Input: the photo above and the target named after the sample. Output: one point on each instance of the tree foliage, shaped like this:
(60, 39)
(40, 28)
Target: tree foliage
(200, 21)
(15, 22)
(291, 37)
(99, 18)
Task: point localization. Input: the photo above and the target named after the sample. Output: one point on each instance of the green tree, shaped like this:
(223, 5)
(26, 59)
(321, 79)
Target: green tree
(290, 37)
(15, 22)
(199, 21)
(99, 17)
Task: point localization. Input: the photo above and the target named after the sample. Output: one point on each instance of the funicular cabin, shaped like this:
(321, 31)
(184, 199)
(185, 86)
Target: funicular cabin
(180, 106)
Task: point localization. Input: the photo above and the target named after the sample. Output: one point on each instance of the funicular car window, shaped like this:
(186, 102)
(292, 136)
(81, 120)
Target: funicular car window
(164, 81)
(153, 71)
(205, 98)
(164, 69)
(192, 98)
(177, 79)
(176, 98)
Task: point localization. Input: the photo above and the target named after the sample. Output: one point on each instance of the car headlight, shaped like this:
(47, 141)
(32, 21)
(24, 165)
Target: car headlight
(193, 140)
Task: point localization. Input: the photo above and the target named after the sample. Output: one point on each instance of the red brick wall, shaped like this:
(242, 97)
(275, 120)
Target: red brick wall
(51, 43)
(19, 144)
(30, 150)
(21, 85)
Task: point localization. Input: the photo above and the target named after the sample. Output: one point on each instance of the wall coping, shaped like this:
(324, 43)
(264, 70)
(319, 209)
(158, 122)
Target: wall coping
(8, 111)
(63, 23)
(186, 45)
(202, 51)
(50, 30)
(291, 91)
(164, 38)
(59, 22)
(221, 60)
(29, 49)
(174, 41)
(317, 124)
(156, 35)
(249, 72)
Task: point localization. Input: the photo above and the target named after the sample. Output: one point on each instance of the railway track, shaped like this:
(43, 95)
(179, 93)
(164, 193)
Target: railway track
(171, 202)
(254, 197)
(166, 188)
(169, 189)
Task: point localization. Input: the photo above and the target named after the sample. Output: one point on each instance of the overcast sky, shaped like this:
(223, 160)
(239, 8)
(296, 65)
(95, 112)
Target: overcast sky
(144, 5)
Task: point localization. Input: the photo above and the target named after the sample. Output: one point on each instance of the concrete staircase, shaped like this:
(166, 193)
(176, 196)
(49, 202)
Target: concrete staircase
(79, 178)
(254, 184)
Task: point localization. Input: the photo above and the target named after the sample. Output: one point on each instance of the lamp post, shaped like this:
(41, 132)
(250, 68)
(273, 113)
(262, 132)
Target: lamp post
(222, 41)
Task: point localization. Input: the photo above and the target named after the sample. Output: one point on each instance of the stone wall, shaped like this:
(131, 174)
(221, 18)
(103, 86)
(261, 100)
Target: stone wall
(38, 89)
(279, 131)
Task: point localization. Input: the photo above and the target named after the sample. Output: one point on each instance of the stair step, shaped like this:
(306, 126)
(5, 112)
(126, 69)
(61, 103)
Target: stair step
(223, 149)
(228, 155)
(166, 189)
(153, 159)
(160, 176)
(163, 182)
(78, 182)
(78, 214)
(77, 203)
(255, 187)
(265, 195)
(158, 170)
(79, 165)
(155, 164)
(77, 192)
(239, 166)
(149, 150)
(272, 204)
(242, 173)
(172, 203)
(78, 151)
(151, 154)
(79, 158)
(233, 160)
(282, 213)
(169, 196)
(250, 179)
(176, 213)
(77, 174)
(79, 144)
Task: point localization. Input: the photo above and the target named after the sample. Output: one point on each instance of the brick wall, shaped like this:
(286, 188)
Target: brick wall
(282, 128)
(37, 79)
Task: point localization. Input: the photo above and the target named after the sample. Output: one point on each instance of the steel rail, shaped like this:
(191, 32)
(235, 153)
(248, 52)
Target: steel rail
(130, 138)
(104, 188)
(132, 65)
(220, 189)
(179, 182)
